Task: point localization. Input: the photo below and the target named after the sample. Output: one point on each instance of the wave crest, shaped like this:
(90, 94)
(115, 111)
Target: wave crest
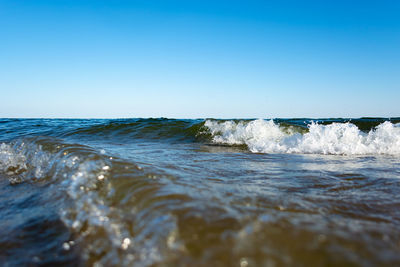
(262, 136)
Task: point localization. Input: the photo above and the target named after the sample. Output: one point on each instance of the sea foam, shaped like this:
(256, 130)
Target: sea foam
(266, 136)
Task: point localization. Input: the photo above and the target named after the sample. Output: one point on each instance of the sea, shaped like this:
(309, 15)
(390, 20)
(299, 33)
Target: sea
(200, 192)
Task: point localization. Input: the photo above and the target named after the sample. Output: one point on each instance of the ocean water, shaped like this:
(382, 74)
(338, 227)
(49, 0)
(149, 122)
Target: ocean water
(165, 192)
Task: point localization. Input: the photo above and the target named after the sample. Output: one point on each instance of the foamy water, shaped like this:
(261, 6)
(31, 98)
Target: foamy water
(263, 136)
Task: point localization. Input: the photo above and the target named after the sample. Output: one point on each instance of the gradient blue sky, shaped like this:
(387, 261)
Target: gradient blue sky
(195, 59)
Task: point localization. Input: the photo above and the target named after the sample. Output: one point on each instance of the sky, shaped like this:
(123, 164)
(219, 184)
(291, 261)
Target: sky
(199, 59)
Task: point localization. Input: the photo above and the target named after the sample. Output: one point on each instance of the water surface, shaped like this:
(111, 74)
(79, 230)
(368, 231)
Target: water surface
(164, 192)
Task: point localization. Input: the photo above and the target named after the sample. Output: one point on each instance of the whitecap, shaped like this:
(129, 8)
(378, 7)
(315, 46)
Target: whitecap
(266, 136)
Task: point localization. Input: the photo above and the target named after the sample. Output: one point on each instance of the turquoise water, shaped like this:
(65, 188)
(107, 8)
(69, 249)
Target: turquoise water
(166, 192)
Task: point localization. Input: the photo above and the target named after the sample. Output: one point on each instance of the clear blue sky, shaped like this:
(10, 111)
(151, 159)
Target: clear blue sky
(195, 59)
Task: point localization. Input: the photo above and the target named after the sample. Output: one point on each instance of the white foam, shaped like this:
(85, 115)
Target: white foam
(22, 161)
(263, 136)
(11, 162)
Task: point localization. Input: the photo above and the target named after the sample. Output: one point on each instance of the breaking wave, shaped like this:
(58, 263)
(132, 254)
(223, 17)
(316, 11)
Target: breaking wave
(115, 221)
(266, 136)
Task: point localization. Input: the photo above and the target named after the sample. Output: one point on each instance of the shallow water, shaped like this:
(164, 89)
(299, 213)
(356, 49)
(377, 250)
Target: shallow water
(166, 192)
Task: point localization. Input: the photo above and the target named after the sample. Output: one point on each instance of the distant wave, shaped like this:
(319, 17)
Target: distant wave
(266, 136)
(364, 136)
(153, 129)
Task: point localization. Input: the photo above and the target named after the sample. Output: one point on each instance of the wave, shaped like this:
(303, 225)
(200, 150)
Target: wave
(153, 129)
(267, 136)
(259, 137)
(322, 136)
(110, 205)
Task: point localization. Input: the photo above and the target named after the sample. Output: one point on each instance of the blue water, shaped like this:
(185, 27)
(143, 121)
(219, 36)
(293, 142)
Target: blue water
(165, 192)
